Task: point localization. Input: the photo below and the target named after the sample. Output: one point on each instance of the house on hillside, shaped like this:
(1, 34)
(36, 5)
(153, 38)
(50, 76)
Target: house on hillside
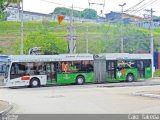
(117, 16)
(132, 17)
(15, 15)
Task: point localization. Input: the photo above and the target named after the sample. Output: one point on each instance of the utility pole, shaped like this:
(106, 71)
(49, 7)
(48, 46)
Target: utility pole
(151, 35)
(72, 40)
(87, 40)
(122, 37)
(71, 32)
(151, 30)
(22, 34)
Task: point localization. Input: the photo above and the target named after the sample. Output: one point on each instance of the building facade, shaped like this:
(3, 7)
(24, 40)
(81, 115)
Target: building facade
(117, 16)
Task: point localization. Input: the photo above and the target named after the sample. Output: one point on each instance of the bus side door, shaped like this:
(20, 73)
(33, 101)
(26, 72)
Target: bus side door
(51, 71)
(111, 69)
(141, 68)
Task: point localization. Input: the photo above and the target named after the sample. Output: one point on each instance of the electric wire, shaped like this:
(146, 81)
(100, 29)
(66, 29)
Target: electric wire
(134, 6)
(145, 7)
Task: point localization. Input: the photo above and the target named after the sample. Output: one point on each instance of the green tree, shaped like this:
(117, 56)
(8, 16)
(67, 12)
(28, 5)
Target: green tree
(2, 13)
(86, 13)
(66, 11)
(89, 13)
(3, 5)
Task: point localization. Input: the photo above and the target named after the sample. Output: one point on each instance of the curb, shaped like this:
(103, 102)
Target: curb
(5, 111)
(156, 77)
(147, 95)
(138, 83)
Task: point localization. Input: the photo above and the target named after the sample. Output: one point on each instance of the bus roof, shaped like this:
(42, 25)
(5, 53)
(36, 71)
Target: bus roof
(75, 57)
(47, 58)
(117, 56)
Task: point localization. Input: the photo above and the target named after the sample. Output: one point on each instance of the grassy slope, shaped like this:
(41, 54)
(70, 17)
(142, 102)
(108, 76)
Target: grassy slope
(99, 34)
(10, 32)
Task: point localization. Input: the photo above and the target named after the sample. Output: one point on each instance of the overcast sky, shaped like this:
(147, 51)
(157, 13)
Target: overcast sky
(47, 6)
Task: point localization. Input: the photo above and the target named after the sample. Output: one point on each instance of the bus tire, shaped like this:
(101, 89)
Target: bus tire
(80, 80)
(35, 82)
(130, 77)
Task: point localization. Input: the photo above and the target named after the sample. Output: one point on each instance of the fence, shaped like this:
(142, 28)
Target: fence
(156, 58)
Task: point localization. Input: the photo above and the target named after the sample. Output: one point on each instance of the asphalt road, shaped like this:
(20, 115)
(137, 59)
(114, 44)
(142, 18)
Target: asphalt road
(81, 99)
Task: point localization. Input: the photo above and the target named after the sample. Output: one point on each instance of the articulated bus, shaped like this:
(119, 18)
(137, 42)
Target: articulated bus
(37, 70)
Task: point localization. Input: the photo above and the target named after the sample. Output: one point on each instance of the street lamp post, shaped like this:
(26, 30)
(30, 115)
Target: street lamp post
(151, 37)
(22, 34)
(122, 5)
(151, 31)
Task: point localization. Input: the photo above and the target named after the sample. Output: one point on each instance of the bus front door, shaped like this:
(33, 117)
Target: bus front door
(51, 72)
(141, 68)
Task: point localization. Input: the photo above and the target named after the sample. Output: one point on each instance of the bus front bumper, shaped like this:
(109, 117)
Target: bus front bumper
(14, 83)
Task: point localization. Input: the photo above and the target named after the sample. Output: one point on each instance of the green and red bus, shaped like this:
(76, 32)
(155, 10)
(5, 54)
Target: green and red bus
(37, 70)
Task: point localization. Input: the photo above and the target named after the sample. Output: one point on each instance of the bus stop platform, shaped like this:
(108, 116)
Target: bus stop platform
(5, 107)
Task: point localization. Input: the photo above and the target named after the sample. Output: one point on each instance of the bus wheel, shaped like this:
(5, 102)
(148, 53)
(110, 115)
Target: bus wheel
(130, 77)
(35, 82)
(80, 80)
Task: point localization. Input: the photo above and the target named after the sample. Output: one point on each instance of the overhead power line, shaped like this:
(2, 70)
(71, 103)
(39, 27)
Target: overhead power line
(135, 9)
(144, 6)
(131, 8)
(53, 2)
(61, 4)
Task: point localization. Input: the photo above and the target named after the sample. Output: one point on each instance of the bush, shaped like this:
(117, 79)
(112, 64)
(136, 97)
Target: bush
(157, 73)
(47, 41)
